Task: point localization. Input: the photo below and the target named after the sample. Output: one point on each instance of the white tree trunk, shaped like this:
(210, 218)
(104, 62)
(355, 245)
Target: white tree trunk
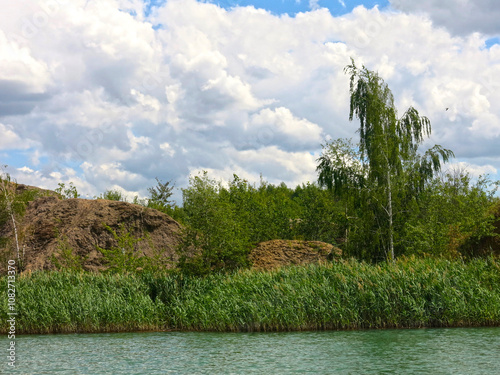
(389, 212)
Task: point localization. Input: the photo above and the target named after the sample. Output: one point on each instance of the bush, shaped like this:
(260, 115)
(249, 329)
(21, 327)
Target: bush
(215, 239)
(455, 214)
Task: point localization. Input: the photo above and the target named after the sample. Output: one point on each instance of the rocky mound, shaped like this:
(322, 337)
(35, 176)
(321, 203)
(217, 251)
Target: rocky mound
(36, 191)
(52, 229)
(279, 253)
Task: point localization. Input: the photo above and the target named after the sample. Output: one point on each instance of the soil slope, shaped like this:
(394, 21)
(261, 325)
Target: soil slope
(51, 225)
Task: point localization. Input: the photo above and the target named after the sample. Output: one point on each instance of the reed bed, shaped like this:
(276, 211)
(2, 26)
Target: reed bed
(344, 295)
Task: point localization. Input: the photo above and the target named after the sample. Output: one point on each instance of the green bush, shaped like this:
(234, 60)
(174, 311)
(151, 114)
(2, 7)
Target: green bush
(214, 239)
(113, 195)
(454, 215)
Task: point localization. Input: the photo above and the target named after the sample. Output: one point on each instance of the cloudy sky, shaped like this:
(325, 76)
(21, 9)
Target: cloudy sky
(113, 93)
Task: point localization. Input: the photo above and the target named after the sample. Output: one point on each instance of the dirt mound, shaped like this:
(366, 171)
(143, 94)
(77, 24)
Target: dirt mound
(36, 191)
(279, 253)
(51, 227)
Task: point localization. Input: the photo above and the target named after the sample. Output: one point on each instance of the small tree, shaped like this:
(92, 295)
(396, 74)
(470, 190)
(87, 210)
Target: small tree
(9, 201)
(387, 149)
(67, 192)
(215, 239)
(160, 194)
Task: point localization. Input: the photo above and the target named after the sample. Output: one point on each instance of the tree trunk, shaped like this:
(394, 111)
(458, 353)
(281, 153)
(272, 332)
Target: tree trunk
(389, 212)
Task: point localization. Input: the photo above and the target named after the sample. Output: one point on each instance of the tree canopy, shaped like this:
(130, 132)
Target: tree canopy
(386, 164)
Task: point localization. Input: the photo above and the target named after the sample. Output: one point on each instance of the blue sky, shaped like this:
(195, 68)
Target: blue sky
(292, 7)
(111, 94)
(492, 41)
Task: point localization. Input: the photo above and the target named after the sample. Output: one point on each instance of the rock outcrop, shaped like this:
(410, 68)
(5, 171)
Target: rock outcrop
(279, 253)
(51, 226)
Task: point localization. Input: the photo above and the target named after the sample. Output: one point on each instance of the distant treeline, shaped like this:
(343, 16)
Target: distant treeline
(449, 218)
(411, 292)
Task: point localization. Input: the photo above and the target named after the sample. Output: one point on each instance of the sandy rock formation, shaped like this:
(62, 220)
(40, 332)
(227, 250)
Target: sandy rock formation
(279, 253)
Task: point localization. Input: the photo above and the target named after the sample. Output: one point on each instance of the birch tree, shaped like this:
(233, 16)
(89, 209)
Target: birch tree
(388, 147)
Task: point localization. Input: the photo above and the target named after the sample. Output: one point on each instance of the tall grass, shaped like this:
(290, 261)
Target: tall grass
(52, 302)
(344, 295)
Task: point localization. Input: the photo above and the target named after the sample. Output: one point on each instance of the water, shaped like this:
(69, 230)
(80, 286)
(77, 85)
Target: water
(424, 351)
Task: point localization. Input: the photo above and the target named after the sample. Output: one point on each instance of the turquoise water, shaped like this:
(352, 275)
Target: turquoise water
(424, 351)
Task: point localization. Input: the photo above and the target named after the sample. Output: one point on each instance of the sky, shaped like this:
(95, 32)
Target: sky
(111, 94)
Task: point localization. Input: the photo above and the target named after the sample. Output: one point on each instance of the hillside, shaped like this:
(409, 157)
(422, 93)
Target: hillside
(54, 231)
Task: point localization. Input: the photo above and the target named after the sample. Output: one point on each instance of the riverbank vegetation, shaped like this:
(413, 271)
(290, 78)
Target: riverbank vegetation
(420, 246)
(409, 293)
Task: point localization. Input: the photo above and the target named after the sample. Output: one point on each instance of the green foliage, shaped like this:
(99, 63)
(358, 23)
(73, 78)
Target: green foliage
(225, 221)
(124, 257)
(215, 239)
(139, 201)
(454, 215)
(383, 174)
(63, 302)
(319, 216)
(113, 195)
(66, 259)
(5, 198)
(160, 195)
(411, 292)
(12, 207)
(447, 216)
(67, 192)
(342, 168)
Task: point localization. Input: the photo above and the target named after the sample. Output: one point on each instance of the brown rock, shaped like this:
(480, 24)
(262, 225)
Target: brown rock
(51, 225)
(279, 253)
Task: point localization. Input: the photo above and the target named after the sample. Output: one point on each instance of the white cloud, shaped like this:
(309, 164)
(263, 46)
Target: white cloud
(314, 4)
(280, 125)
(9, 140)
(19, 66)
(100, 90)
(277, 165)
(473, 169)
(167, 149)
(460, 17)
(25, 170)
(28, 176)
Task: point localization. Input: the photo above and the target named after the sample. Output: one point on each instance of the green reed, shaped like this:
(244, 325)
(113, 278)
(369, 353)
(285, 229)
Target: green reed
(344, 295)
(50, 302)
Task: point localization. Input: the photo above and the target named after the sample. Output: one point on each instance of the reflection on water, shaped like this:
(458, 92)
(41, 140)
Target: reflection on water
(425, 351)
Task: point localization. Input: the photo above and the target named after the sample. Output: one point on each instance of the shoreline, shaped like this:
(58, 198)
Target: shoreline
(497, 325)
(347, 295)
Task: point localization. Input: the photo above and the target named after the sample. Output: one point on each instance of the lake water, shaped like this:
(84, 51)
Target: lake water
(423, 351)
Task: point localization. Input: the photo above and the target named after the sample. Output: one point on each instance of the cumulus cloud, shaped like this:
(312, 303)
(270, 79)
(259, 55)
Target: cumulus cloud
(314, 4)
(270, 126)
(473, 169)
(106, 94)
(460, 17)
(10, 140)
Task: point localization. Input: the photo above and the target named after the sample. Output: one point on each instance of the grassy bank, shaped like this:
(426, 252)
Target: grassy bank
(344, 295)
